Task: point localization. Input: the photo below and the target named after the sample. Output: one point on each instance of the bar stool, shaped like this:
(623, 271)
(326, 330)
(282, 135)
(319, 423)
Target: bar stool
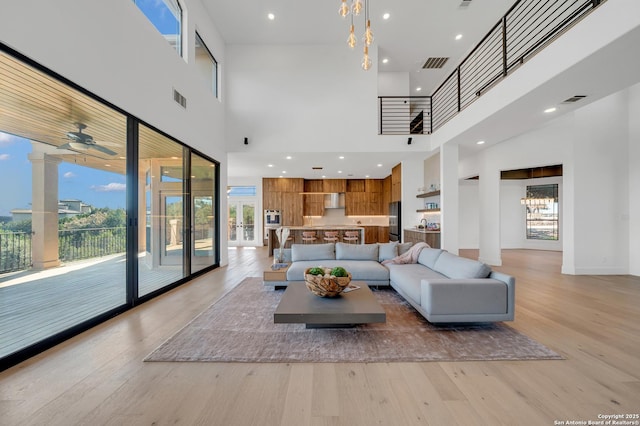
(351, 237)
(308, 236)
(331, 236)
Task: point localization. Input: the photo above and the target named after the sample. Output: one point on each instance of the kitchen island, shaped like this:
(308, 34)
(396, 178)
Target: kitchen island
(295, 235)
(416, 235)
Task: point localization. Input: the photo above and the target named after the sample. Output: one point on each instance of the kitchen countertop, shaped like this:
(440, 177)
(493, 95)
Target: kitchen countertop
(326, 227)
(424, 231)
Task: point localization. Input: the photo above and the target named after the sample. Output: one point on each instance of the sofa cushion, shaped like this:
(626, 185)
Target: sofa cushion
(407, 278)
(403, 248)
(428, 257)
(346, 251)
(312, 252)
(387, 250)
(464, 297)
(360, 270)
(459, 267)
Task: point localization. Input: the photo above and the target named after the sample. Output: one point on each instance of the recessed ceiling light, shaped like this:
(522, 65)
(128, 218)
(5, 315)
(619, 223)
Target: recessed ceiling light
(269, 165)
(271, 16)
(107, 165)
(324, 176)
(288, 157)
(366, 176)
(284, 172)
(459, 36)
(548, 110)
(339, 171)
(479, 142)
(385, 60)
(379, 165)
(386, 16)
(418, 89)
(341, 157)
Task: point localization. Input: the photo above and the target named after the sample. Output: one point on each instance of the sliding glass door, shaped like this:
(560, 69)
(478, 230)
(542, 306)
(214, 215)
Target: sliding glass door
(97, 210)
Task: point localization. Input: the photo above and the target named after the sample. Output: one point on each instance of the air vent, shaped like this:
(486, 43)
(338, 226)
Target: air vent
(434, 63)
(573, 99)
(465, 3)
(177, 96)
(317, 168)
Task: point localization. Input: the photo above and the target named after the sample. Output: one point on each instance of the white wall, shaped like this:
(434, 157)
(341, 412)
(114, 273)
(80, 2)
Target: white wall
(393, 84)
(634, 180)
(112, 50)
(598, 148)
(469, 216)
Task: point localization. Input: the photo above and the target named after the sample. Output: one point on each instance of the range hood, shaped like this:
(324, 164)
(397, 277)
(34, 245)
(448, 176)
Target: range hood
(334, 200)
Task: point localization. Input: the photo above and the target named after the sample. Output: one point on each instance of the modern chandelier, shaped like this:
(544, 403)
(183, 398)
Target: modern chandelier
(354, 10)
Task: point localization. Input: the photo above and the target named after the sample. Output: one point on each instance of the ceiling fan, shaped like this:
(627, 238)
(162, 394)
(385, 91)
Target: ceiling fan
(79, 141)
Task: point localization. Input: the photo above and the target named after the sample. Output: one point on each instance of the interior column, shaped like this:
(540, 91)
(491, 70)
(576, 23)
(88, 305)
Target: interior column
(44, 204)
(489, 212)
(449, 198)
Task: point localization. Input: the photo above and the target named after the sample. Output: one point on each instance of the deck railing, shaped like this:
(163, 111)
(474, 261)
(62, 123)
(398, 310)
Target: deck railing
(77, 244)
(15, 251)
(525, 29)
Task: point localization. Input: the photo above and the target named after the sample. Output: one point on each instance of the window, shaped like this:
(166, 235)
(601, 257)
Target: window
(207, 65)
(166, 16)
(542, 212)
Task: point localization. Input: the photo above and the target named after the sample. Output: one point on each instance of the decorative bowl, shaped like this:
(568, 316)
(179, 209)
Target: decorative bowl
(326, 286)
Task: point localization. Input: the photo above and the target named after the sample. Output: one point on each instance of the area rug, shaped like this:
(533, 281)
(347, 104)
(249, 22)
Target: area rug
(239, 328)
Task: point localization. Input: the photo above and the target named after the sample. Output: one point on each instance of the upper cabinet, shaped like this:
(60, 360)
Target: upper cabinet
(396, 183)
(334, 185)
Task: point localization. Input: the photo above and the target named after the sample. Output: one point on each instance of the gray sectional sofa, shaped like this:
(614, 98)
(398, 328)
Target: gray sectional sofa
(441, 286)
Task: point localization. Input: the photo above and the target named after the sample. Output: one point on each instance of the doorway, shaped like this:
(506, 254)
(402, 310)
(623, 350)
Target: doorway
(241, 227)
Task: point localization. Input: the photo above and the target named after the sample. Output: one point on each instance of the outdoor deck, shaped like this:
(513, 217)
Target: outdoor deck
(37, 304)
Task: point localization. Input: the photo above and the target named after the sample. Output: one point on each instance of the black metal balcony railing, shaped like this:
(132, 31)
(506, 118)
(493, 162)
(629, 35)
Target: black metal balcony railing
(524, 30)
(401, 115)
(94, 242)
(77, 244)
(15, 251)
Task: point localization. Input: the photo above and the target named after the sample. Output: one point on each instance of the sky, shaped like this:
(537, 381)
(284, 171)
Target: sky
(95, 187)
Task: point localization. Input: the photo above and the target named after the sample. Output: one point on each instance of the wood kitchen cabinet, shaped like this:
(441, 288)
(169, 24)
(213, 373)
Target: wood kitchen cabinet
(383, 234)
(396, 183)
(334, 185)
(431, 238)
(313, 203)
(292, 209)
(370, 234)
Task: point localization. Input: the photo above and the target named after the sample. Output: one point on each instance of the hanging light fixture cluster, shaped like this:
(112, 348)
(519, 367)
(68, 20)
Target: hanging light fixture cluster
(354, 10)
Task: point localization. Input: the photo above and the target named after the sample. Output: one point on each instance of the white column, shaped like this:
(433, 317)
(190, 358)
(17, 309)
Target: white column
(44, 217)
(489, 212)
(449, 198)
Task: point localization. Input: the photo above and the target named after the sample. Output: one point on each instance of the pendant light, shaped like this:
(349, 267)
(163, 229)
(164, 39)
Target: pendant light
(368, 34)
(344, 9)
(352, 41)
(366, 61)
(356, 8)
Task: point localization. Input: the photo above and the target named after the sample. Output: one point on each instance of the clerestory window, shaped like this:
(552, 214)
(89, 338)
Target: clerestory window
(166, 16)
(207, 65)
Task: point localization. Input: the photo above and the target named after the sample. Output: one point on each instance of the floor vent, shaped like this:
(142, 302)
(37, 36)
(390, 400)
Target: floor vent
(573, 99)
(177, 96)
(434, 63)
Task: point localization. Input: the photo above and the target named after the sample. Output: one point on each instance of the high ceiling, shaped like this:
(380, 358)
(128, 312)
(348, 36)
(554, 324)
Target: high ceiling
(415, 31)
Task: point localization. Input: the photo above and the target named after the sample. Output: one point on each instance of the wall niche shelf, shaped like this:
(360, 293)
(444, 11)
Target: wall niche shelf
(428, 210)
(428, 194)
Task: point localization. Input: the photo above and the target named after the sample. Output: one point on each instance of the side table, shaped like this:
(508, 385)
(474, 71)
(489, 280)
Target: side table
(275, 277)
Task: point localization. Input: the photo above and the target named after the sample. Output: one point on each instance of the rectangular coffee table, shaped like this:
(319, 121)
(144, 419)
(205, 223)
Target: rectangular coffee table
(299, 305)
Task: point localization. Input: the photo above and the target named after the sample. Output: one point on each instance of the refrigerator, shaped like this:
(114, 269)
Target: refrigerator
(395, 223)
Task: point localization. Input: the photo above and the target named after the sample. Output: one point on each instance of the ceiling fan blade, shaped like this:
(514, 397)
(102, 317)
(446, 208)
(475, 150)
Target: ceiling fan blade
(102, 149)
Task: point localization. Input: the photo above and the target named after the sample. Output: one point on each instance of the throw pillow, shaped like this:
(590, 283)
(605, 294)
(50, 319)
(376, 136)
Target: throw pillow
(387, 250)
(403, 248)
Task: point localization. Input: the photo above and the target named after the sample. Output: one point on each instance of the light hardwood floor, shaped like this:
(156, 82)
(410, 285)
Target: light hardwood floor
(98, 377)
